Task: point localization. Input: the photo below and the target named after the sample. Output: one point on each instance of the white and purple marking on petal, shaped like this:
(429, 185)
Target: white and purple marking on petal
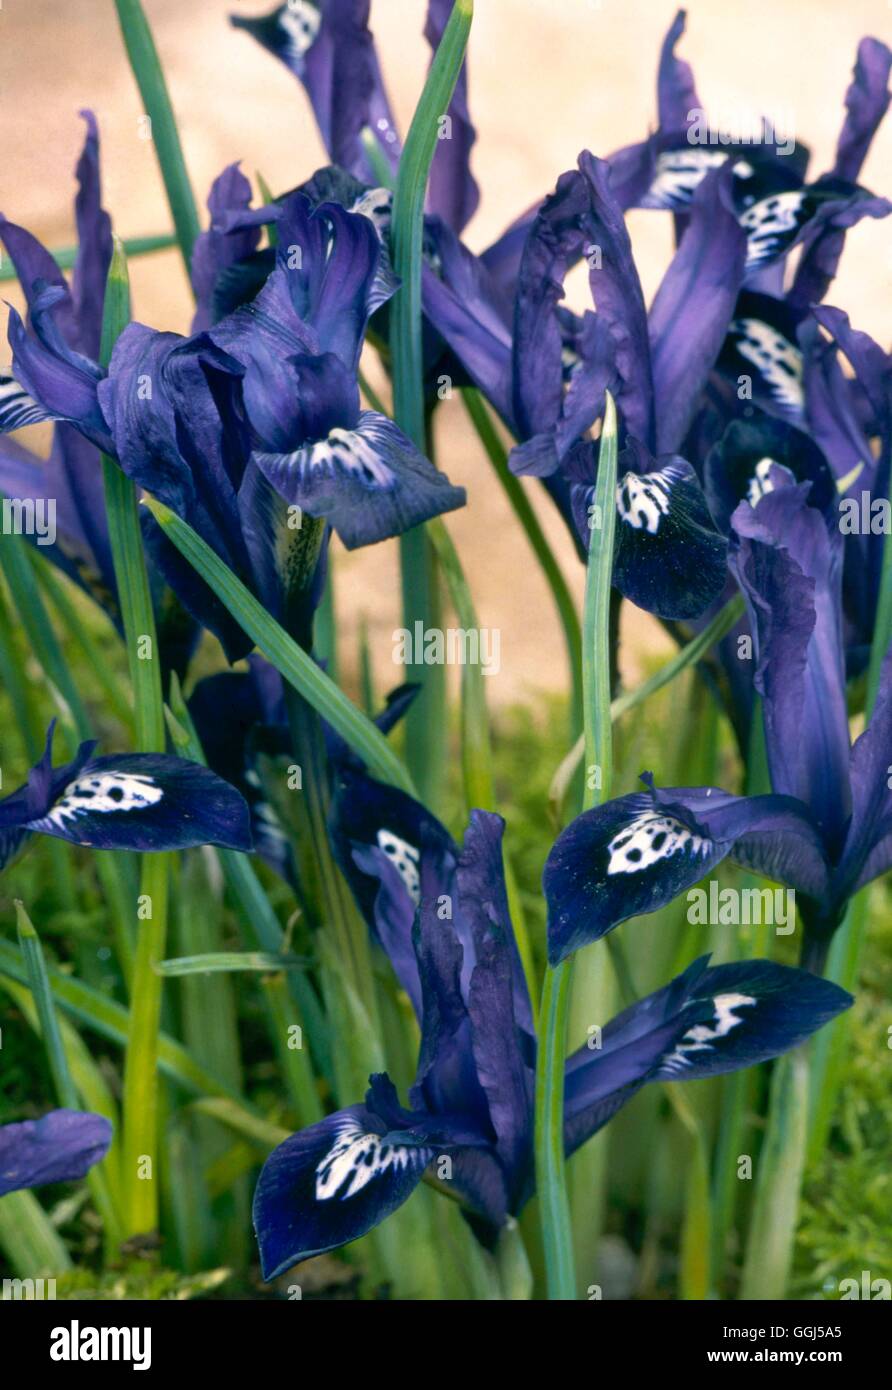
(404, 858)
(648, 840)
(355, 1158)
(102, 793)
(643, 501)
(701, 1037)
(778, 360)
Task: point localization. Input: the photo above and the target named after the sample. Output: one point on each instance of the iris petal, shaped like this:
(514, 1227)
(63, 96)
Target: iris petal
(330, 1184)
(369, 482)
(60, 1147)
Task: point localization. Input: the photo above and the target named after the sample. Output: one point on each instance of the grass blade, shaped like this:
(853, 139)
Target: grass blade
(426, 720)
(149, 76)
(523, 510)
(66, 256)
(551, 1179)
(294, 664)
(213, 962)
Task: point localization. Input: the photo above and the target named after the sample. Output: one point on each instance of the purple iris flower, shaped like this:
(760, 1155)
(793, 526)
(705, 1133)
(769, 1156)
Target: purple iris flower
(826, 830)
(60, 1147)
(329, 48)
(245, 428)
(55, 377)
(720, 314)
(134, 801)
(298, 344)
(441, 913)
(71, 476)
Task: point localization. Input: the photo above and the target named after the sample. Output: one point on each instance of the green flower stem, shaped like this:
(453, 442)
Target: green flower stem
(554, 578)
(326, 629)
(769, 1253)
(150, 79)
(551, 1179)
(140, 1123)
(426, 720)
(689, 654)
(294, 664)
(737, 1087)
(139, 1150)
(66, 256)
(476, 746)
(831, 1044)
(426, 723)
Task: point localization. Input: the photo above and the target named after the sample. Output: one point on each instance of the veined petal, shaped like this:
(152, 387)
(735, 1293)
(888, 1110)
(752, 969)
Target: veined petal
(693, 308)
(746, 1013)
(143, 801)
(60, 383)
(706, 1022)
(329, 1185)
(378, 834)
(867, 101)
(676, 90)
(60, 1147)
(18, 408)
(620, 860)
(762, 347)
(669, 557)
(868, 849)
(464, 302)
(789, 566)
(94, 238)
(739, 467)
(369, 482)
(635, 854)
(775, 224)
(498, 1002)
(215, 250)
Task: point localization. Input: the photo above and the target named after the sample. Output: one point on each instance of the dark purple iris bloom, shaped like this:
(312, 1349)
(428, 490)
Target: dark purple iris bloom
(775, 206)
(441, 914)
(71, 476)
(827, 829)
(669, 557)
(244, 429)
(298, 344)
(134, 801)
(55, 377)
(60, 1147)
(329, 48)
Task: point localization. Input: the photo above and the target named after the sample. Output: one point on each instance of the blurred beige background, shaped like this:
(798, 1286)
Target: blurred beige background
(547, 79)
